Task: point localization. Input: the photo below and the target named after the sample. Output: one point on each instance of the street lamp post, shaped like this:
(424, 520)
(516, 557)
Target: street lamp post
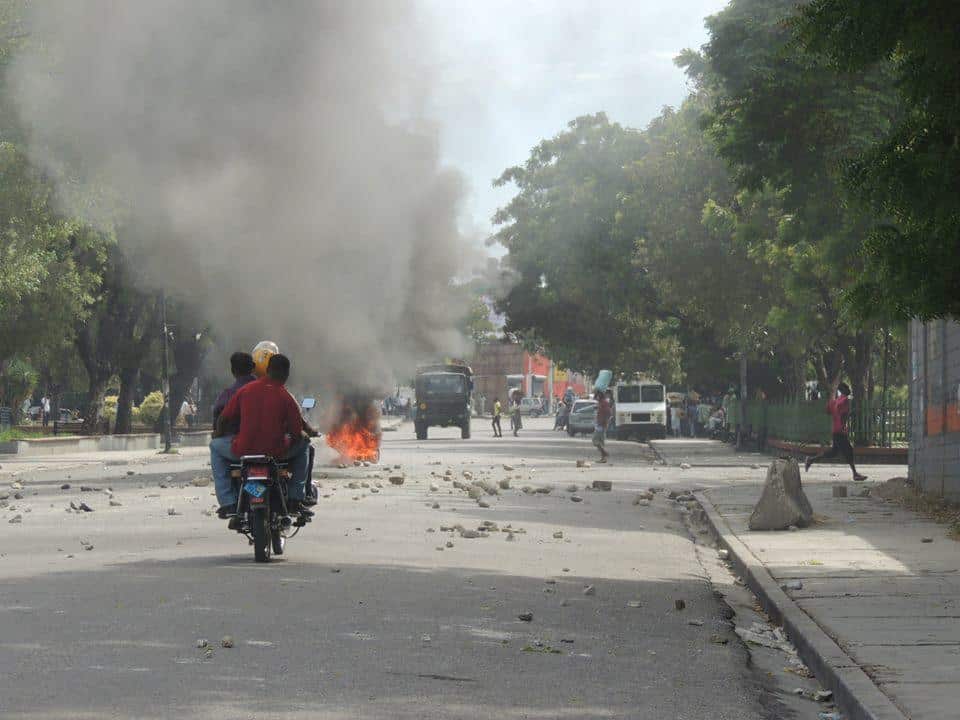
(165, 376)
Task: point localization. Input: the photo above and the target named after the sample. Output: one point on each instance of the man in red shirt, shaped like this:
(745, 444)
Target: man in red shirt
(839, 410)
(270, 424)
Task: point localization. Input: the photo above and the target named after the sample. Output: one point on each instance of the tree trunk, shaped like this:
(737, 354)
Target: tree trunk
(93, 404)
(128, 386)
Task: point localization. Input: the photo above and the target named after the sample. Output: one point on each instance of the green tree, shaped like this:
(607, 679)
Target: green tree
(577, 294)
(720, 292)
(786, 126)
(910, 176)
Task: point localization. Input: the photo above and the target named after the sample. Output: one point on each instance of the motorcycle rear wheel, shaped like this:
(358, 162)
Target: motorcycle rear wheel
(260, 531)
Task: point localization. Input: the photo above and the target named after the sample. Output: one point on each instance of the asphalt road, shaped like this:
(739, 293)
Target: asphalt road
(373, 611)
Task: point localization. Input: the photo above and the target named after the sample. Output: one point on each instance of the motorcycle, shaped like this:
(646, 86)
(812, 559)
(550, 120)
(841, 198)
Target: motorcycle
(262, 507)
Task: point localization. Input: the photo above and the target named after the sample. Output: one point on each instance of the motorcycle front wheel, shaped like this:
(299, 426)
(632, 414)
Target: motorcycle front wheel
(277, 541)
(260, 531)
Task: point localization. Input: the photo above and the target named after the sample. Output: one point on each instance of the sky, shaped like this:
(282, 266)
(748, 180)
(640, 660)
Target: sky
(510, 73)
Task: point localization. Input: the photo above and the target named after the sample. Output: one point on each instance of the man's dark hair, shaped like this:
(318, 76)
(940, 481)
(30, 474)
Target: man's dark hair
(844, 388)
(279, 368)
(241, 364)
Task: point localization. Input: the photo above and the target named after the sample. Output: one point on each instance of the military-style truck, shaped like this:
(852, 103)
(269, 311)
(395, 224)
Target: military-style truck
(443, 398)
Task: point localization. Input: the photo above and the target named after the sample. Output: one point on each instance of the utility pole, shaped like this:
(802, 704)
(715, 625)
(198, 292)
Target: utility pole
(883, 396)
(165, 376)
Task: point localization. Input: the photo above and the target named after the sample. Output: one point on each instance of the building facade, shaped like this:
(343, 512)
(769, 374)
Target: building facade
(935, 407)
(499, 368)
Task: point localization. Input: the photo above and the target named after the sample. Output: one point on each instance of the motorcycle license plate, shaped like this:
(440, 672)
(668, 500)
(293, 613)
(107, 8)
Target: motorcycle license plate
(255, 490)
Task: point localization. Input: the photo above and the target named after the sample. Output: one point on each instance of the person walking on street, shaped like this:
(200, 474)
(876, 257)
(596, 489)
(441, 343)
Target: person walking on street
(497, 430)
(45, 410)
(838, 407)
(604, 413)
(515, 413)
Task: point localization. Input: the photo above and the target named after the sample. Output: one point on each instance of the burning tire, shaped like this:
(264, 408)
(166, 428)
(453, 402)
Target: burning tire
(356, 434)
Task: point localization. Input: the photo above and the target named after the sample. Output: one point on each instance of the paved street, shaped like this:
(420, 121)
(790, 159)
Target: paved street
(374, 611)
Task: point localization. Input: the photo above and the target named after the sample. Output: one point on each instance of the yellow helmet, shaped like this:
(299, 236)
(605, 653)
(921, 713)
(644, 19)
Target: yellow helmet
(262, 352)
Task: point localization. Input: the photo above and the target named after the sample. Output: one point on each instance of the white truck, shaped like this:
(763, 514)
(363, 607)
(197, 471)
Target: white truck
(640, 409)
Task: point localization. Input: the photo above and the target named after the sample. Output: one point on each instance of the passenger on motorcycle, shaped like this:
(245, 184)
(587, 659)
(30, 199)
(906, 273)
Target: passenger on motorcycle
(241, 367)
(269, 424)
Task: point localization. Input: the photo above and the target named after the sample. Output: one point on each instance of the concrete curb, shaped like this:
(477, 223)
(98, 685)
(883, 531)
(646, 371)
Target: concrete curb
(855, 693)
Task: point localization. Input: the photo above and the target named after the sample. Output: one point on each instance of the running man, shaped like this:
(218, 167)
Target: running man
(838, 407)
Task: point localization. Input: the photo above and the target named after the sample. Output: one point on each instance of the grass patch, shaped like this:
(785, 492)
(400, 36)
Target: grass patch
(20, 434)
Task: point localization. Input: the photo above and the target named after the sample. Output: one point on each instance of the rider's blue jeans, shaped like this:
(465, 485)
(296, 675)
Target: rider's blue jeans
(221, 456)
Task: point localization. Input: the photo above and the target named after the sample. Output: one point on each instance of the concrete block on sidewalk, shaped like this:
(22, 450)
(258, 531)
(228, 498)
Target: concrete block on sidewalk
(783, 502)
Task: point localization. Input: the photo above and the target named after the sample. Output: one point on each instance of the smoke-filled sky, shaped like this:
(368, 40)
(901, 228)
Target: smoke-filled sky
(273, 163)
(316, 171)
(512, 73)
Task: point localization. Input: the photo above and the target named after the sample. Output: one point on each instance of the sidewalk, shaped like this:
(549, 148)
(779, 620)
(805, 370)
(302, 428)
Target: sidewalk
(880, 584)
(702, 452)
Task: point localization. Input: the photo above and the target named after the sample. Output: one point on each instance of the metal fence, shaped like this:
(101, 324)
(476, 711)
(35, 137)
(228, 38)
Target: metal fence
(806, 421)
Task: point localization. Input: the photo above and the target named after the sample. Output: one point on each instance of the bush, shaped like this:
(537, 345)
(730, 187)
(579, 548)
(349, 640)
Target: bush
(110, 408)
(151, 407)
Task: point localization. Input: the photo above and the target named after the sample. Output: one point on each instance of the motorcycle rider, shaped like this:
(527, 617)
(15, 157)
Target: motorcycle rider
(269, 424)
(241, 367)
(262, 352)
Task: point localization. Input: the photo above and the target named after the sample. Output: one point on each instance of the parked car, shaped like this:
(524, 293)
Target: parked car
(583, 417)
(531, 406)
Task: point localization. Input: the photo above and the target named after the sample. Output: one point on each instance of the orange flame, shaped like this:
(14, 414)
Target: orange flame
(356, 436)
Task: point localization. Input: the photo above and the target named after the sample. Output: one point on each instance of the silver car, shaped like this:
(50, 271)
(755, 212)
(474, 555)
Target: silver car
(583, 417)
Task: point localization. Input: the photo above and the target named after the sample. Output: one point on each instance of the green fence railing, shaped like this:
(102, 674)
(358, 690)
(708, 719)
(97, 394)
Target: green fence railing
(806, 421)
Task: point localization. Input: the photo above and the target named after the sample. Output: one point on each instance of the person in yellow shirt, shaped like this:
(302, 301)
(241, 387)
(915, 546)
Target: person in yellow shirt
(497, 432)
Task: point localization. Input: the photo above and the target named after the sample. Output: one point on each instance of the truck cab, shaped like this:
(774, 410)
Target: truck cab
(641, 409)
(443, 398)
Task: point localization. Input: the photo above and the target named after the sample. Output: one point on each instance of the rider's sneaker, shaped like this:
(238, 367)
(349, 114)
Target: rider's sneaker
(296, 507)
(225, 511)
(309, 500)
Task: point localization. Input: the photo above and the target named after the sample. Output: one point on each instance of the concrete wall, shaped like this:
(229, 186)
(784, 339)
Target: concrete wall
(46, 447)
(935, 407)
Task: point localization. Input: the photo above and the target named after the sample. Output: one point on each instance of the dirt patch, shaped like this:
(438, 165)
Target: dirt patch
(901, 491)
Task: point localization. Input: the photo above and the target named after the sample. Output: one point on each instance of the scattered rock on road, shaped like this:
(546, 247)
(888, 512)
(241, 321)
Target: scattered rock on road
(589, 589)
(65, 486)
(202, 643)
(16, 519)
(504, 484)
(679, 604)
(684, 466)
(576, 498)
(525, 616)
(396, 479)
(605, 485)
(558, 535)
(226, 641)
